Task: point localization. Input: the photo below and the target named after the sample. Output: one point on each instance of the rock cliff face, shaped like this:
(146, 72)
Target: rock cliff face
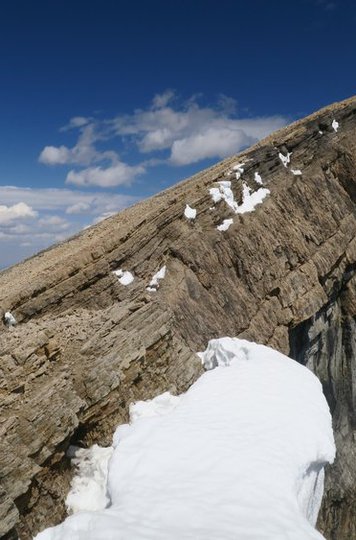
(85, 345)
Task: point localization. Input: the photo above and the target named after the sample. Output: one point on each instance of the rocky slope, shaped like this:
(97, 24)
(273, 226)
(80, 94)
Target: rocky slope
(85, 345)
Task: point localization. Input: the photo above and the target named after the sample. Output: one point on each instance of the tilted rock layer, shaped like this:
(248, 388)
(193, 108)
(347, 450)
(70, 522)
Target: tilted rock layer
(85, 345)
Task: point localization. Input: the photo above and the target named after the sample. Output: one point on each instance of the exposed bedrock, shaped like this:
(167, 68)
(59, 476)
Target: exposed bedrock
(326, 343)
(85, 345)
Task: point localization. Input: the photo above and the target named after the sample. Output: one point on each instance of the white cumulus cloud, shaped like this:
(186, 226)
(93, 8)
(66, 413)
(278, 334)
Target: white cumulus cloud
(191, 132)
(115, 175)
(213, 142)
(15, 212)
(52, 155)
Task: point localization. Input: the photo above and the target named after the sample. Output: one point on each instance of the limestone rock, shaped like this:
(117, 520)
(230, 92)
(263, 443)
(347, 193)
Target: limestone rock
(85, 346)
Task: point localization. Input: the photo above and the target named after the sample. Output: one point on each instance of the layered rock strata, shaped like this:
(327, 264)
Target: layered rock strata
(85, 345)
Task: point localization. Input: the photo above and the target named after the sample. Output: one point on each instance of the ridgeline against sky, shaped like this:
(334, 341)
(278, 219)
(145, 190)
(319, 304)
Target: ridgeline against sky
(104, 103)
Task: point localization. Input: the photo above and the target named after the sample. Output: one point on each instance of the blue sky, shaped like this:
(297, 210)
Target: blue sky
(105, 103)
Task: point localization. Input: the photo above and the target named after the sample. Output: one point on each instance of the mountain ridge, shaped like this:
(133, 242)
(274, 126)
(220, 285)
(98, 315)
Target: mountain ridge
(86, 346)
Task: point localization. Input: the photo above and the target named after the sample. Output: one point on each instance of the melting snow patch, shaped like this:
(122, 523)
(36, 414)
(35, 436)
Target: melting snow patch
(225, 225)
(320, 132)
(190, 213)
(88, 489)
(154, 283)
(335, 125)
(239, 168)
(285, 159)
(258, 178)
(296, 172)
(215, 194)
(239, 455)
(251, 200)
(125, 277)
(9, 319)
(224, 192)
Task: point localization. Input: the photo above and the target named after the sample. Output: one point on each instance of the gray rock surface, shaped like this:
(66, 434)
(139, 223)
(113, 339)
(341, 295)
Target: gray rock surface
(85, 346)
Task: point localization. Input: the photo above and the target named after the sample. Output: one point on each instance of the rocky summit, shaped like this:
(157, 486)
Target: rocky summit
(260, 246)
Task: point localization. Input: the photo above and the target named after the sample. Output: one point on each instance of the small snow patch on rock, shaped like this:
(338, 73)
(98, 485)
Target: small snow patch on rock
(224, 192)
(251, 200)
(296, 172)
(9, 319)
(225, 225)
(154, 283)
(190, 213)
(239, 168)
(125, 277)
(285, 159)
(258, 178)
(335, 125)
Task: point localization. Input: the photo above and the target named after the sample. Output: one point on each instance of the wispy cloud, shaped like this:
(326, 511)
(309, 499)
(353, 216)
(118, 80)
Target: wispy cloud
(57, 200)
(117, 174)
(82, 153)
(169, 131)
(327, 5)
(76, 122)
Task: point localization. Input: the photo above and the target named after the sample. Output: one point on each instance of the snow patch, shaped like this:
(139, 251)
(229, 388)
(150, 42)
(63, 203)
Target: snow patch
(285, 159)
(154, 283)
(190, 213)
(258, 178)
(296, 172)
(224, 192)
(251, 200)
(240, 455)
(335, 125)
(125, 277)
(215, 194)
(88, 489)
(225, 225)
(9, 319)
(239, 168)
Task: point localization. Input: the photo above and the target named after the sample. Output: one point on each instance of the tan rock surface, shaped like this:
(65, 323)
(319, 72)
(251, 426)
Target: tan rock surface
(86, 346)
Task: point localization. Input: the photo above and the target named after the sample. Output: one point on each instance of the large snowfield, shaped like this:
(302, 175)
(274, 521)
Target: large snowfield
(239, 456)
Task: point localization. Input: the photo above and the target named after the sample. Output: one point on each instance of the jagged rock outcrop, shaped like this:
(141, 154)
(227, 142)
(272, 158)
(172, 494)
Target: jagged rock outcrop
(85, 345)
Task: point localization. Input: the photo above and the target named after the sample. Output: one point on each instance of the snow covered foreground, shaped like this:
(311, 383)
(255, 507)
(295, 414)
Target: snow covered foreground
(239, 456)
